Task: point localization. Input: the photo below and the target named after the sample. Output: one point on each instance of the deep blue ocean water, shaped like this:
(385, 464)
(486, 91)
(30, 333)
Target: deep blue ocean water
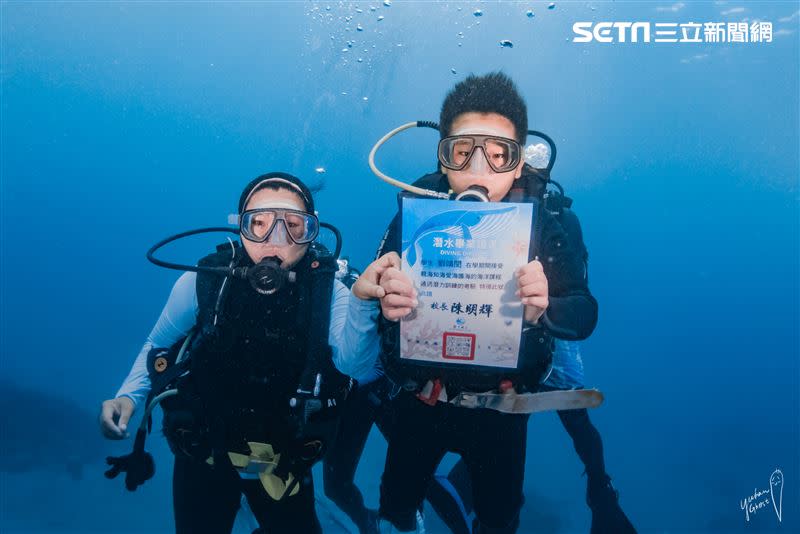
(124, 122)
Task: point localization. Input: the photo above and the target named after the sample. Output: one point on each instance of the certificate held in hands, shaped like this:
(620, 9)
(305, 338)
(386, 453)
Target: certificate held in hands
(461, 258)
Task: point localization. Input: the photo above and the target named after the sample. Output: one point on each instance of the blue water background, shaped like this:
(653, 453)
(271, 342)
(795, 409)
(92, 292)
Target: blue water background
(125, 122)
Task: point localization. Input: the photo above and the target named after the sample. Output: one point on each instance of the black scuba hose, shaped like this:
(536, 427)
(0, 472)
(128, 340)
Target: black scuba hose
(219, 270)
(181, 267)
(338, 236)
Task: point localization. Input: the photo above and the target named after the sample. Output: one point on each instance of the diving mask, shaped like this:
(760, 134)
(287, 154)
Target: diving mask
(457, 151)
(261, 224)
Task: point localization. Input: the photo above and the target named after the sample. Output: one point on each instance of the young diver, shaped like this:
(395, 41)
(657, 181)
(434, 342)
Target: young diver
(483, 126)
(232, 425)
(451, 496)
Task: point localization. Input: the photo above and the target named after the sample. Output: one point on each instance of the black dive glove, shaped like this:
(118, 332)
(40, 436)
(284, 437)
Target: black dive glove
(138, 466)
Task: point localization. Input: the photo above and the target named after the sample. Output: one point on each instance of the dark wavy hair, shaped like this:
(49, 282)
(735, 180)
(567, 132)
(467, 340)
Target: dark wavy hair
(491, 93)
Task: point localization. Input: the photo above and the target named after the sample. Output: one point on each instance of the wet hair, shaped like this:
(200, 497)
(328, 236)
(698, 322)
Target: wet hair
(491, 93)
(276, 181)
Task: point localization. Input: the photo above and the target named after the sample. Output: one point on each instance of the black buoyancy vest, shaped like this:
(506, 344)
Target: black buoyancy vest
(252, 358)
(249, 355)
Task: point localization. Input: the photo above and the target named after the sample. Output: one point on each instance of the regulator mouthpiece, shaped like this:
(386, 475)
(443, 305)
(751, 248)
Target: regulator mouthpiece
(474, 193)
(267, 277)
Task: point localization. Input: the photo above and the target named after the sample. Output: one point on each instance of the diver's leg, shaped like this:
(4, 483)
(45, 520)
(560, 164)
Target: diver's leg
(383, 404)
(460, 480)
(586, 440)
(290, 515)
(416, 447)
(204, 499)
(602, 498)
(451, 498)
(340, 463)
(495, 457)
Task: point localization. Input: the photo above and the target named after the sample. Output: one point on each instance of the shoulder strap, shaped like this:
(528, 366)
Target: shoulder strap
(305, 449)
(212, 288)
(323, 271)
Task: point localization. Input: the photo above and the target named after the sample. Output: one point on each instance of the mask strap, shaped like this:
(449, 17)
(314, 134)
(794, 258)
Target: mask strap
(283, 181)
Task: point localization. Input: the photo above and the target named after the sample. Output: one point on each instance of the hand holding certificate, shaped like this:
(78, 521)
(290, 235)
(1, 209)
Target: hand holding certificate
(533, 290)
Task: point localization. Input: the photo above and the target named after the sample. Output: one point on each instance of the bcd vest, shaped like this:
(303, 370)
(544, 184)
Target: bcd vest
(248, 357)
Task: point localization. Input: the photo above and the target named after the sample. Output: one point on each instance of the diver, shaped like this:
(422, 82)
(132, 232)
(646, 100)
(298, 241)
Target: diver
(483, 126)
(451, 495)
(250, 361)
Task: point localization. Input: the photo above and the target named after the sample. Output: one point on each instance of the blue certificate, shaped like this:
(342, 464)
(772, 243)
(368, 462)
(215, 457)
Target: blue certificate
(461, 257)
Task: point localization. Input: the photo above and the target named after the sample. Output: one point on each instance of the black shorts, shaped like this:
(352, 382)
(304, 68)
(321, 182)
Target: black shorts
(206, 500)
